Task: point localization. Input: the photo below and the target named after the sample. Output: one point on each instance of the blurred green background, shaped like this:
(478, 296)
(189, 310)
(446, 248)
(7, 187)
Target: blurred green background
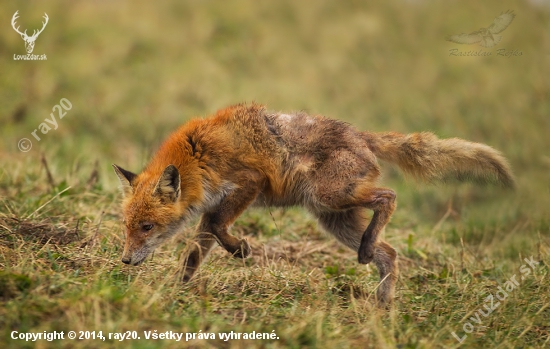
(135, 70)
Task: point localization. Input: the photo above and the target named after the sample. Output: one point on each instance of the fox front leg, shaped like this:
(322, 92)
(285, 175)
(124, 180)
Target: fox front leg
(214, 228)
(237, 247)
(209, 233)
(199, 249)
(231, 207)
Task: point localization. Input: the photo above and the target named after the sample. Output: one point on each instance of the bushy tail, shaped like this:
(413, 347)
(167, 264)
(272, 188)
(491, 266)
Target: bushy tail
(429, 158)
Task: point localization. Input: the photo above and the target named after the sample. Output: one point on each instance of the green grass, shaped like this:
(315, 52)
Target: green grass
(135, 71)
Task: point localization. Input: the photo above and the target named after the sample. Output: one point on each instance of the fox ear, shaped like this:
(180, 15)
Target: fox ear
(168, 186)
(126, 178)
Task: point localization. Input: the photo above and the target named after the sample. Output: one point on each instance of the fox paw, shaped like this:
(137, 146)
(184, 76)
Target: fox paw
(243, 251)
(365, 255)
(186, 277)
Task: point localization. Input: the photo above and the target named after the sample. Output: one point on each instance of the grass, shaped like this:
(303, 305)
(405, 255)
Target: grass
(134, 71)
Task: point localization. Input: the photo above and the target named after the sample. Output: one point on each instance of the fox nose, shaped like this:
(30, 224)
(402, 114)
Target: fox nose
(125, 260)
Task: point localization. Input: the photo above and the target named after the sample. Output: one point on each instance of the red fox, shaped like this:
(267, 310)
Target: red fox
(247, 156)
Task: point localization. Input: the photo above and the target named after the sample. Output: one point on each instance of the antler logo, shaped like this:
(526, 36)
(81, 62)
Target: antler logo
(29, 40)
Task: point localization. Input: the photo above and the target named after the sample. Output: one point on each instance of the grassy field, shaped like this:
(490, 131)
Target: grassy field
(133, 71)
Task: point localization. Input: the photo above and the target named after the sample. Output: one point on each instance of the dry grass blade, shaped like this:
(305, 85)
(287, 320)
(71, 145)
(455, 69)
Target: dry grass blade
(47, 202)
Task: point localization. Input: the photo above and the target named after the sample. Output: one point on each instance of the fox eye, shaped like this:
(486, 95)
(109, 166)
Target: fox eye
(147, 226)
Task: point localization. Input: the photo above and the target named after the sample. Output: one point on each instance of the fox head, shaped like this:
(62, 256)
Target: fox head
(151, 210)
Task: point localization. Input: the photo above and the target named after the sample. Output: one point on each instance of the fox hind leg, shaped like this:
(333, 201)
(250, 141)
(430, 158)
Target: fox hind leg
(382, 202)
(363, 194)
(348, 227)
(385, 258)
(346, 179)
